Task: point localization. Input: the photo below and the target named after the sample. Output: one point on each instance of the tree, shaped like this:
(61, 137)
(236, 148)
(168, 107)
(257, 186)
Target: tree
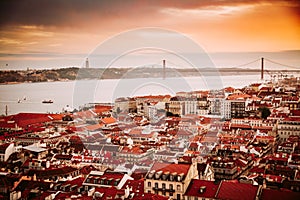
(170, 114)
(118, 110)
(264, 112)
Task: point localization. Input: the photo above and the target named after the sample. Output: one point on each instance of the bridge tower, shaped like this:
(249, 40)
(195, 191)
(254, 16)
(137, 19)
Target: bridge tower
(262, 69)
(87, 65)
(164, 69)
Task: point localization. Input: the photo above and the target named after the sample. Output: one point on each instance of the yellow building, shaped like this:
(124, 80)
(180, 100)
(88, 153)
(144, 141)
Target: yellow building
(169, 179)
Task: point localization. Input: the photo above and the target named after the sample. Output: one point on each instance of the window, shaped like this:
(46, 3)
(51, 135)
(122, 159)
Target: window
(178, 188)
(171, 186)
(156, 185)
(164, 186)
(149, 184)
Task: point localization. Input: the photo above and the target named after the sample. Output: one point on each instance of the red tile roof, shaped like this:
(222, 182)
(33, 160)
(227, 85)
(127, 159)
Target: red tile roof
(109, 175)
(167, 167)
(3, 147)
(76, 181)
(240, 126)
(134, 149)
(99, 109)
(85, 114)
(258, 169)
(229, 89)
(210, 191)
(238, 97)
(26, 119)
(52, 172)
(297, 119)
(87, 169)
(184, 133)
(148, 196)
(236, 191)
(268, 194)
(63, 196)
(93, 127)
(153, 97)
(255, 84)
(108, 120)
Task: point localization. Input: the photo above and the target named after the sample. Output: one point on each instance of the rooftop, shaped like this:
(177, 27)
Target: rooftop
(168, 167)
(268, 194)
(237, 191)
(202, 188)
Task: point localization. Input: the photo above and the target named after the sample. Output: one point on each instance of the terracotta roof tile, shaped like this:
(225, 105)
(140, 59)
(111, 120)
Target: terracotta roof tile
(237, 191)
(167, 167)
(268, 194)
(210, 190)
(108, 120)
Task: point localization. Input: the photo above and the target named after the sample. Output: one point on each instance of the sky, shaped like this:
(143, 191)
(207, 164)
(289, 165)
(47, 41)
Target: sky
(62, 33)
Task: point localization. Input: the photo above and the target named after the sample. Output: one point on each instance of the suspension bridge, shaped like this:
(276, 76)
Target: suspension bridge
(262, 65)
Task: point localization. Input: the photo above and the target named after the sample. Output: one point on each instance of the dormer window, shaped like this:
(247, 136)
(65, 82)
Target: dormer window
(117, 181)
(202, 189)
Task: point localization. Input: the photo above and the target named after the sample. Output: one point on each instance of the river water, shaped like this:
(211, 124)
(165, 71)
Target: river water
(28, 97)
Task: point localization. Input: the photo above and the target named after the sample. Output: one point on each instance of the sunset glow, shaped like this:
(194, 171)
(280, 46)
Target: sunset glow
(49, 30)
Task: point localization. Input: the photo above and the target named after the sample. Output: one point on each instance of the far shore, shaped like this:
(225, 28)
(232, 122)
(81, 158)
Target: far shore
(73, 74)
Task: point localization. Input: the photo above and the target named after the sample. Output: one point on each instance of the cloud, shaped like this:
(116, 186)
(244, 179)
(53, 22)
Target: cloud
(80, 12)
(77, 26)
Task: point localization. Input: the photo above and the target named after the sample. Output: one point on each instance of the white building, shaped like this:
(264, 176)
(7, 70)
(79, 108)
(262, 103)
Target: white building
(153, 108)
(190, 106)
(287, 127)
(6, 150)
(202, 106)
(215, 105)
(183, 106)
(226, 109)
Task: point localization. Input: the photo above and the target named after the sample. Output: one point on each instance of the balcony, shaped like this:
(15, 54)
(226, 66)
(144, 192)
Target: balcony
(164, 189)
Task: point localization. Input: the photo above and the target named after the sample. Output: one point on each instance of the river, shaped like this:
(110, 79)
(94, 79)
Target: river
(28, 97)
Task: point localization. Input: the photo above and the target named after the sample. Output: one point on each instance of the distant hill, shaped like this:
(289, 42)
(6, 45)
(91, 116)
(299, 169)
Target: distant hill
(74, 73)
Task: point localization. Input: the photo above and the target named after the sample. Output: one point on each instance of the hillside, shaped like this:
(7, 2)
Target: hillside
(110, 73)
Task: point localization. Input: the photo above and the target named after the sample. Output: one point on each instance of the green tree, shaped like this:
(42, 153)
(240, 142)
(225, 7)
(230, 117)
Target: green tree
(118, 110)
(265, 112)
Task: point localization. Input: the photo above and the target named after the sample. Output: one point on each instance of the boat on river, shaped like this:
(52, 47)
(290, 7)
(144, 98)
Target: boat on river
(47, 101)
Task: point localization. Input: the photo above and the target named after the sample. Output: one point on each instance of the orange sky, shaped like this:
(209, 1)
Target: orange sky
(39, 32)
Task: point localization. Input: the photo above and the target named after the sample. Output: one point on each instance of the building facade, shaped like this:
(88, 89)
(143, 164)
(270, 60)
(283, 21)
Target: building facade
(170, 180)
(5, 151)
(287, 127)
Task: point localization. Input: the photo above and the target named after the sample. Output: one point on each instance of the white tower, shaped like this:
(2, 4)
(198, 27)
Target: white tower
(87, 65)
